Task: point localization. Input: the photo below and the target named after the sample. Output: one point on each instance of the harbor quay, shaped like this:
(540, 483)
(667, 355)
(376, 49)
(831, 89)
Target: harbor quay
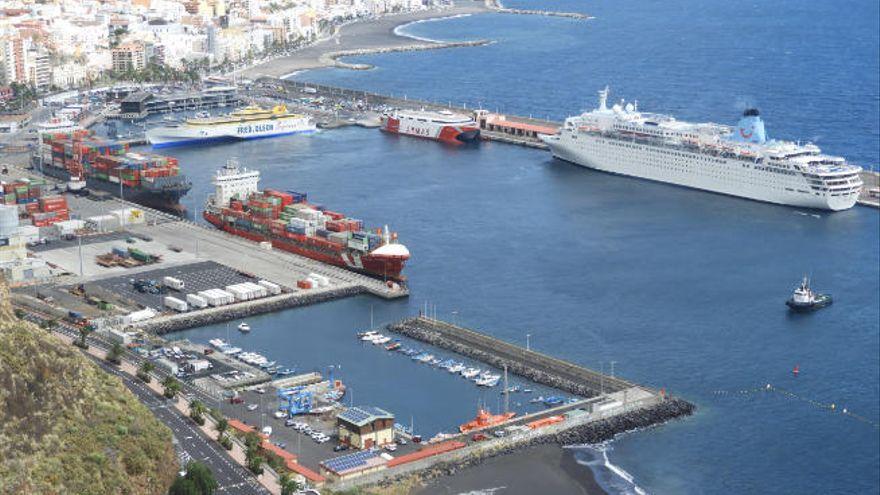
(511, 129)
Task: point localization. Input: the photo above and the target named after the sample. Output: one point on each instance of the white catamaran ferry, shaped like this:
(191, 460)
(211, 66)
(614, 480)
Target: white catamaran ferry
(738, 161)
(247, 123)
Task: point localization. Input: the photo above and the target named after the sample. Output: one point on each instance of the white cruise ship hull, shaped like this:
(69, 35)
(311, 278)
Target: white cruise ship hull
(732, 176)
(163, 137)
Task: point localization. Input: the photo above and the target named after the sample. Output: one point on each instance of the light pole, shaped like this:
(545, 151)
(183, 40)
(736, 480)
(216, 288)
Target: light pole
(612, 368)
(528, 342)
(454, 318)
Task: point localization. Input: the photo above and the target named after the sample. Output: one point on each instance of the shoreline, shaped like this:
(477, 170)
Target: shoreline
(380, 35)
(537, 469)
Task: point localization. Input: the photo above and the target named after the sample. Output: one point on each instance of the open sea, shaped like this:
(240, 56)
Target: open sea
(679, 288)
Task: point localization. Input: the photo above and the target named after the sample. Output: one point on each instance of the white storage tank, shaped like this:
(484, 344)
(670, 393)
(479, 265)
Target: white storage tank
(8, 221)
(196, 301)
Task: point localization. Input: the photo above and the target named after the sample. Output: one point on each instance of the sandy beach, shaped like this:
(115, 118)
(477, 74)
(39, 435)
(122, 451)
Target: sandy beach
(542, 469)
(373, 35)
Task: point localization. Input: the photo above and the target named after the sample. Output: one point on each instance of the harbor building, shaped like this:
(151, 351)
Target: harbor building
(364, 427)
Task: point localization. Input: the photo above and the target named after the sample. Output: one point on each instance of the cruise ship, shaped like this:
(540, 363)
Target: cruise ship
(247, 123)
(442, 126)
(738, 161)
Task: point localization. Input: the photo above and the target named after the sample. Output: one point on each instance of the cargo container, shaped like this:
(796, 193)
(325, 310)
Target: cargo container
(304, 284)
(321, 280)
(176, 304)
(198, 365)
(174, 283)
(120, 251)
(103, 223)
(273, 288)
(196, 301)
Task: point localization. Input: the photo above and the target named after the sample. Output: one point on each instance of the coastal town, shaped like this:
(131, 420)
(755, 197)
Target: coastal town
(217, 276)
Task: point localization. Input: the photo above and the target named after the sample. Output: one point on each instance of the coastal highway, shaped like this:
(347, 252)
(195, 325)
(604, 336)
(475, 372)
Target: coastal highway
(192, 442)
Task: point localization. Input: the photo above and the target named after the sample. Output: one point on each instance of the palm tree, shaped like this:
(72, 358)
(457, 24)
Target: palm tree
(84, 332)
(144, 371)
(222, 426)
(114, 355)
(171, 385)
(196, 410)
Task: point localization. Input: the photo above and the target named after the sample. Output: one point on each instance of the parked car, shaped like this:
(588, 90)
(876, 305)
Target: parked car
(340, 448)
(478, 437)
(401, 441)
(252, 407)
(236, 400)
(391, 447)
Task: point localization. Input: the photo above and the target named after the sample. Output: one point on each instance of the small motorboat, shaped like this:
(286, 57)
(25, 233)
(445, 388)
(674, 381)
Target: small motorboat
(470, 373)
(456, 368)
(553, 400)
(393, 346)
(244, 327)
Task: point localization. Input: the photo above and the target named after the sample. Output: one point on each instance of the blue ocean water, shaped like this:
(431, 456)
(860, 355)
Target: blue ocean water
(682, 289)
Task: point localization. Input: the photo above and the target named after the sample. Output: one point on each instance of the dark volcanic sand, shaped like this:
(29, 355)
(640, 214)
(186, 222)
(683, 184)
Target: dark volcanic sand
(544, 469)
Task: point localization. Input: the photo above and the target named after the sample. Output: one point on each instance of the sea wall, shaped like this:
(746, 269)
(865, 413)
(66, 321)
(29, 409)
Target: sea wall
(238, 311)
(333, 57)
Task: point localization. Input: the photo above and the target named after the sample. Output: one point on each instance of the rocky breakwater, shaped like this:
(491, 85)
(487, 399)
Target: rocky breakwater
(581, 434)
(332, 58)
(183, 321)
(420, 329)
(496, 6)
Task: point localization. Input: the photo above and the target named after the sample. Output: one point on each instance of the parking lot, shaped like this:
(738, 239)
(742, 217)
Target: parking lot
(196, 277)
(309, 452)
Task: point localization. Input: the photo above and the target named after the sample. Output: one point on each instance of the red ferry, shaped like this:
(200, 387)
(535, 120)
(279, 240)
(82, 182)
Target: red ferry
(442, 126)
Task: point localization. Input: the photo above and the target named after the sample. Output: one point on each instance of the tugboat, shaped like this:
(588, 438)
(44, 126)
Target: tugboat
(804, 299)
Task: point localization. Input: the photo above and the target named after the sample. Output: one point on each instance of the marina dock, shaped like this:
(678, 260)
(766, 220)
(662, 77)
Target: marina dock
(529, 364)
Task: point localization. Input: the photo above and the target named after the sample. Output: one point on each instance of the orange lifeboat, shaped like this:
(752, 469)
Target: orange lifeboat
(485, 419)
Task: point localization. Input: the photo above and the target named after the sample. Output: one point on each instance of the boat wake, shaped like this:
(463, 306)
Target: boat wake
(401, 30)
(611, 477)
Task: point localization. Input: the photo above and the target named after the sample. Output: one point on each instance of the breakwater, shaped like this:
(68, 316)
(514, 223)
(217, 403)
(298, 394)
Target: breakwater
(333, 57)
(183, 321)
(496, 6)
(585, 430)
(529, 364)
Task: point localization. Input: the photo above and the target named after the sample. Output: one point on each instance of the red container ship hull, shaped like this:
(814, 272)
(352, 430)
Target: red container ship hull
(383, 267)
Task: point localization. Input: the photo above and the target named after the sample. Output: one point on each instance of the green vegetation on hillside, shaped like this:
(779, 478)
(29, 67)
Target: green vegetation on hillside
(66, 426)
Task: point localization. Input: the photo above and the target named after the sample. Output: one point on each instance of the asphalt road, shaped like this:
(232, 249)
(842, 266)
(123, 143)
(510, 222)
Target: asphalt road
(191, 441)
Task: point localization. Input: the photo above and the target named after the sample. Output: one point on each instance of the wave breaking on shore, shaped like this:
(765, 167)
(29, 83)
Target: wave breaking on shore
(612, 478)
(399, 30)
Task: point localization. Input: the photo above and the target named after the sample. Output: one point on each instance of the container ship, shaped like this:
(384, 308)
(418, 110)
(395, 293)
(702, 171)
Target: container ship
(289, 222)
(106, 165)
(247, 123)
(739, 161)
(442, 126)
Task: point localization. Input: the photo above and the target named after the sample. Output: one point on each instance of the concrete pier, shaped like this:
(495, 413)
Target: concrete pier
(535, 366)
